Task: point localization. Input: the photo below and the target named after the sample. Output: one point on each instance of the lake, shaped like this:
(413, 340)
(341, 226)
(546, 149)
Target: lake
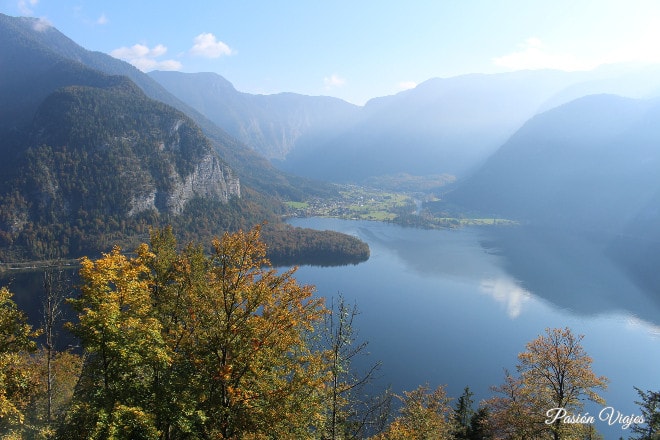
(455, 307)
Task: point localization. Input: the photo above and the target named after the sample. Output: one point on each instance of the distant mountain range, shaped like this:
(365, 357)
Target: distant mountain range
(95, 152)
(443, 126)
(94, 149)
(271, 124)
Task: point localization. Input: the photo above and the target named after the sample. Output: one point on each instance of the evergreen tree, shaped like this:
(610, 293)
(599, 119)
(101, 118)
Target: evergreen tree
(480, 425)
(650, 407)
(463, 413)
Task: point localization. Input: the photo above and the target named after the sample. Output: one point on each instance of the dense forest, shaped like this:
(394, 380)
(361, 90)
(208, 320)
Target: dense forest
(95, 153)
(177, 343)
(104, 164)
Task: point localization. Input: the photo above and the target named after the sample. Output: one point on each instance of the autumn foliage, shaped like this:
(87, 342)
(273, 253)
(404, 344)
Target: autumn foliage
(180, 343)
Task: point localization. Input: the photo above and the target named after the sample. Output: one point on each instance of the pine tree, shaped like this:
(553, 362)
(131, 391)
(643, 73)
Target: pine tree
(650, 407)
(463, 413)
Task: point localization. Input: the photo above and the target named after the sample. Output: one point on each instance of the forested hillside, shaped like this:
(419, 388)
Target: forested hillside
(90, 160)
(100, 164)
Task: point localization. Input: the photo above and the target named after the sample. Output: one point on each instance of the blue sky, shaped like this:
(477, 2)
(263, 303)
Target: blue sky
(355, 49)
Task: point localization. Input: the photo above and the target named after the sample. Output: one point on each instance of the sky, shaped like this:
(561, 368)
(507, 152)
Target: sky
(355, 49)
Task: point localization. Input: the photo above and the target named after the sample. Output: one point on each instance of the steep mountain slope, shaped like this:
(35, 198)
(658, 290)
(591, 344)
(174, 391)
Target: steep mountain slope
(38, 77)
(271, 124)
(588, 165)
(89, 161)
(99, 163)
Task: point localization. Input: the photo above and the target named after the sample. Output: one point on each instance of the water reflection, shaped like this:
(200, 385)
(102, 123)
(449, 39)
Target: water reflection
(456, 307)
(455, 254)
(571, 271)
(507, 292)
(635, 323)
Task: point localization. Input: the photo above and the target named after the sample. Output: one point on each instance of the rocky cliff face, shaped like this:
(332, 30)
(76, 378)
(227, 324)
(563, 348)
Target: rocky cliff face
(210, 179)
(101, 164)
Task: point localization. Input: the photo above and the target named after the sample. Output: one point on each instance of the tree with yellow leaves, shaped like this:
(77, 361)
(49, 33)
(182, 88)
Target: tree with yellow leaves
(18, 382)
(555, 375)
(425, 415)
(181, 344)
(123, 347)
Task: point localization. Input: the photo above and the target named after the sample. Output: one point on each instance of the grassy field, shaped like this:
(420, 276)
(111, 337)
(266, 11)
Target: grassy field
(297, 205)
(362, 203)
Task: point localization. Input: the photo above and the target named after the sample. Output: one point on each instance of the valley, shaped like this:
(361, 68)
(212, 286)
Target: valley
(213, 233)
(355, 202)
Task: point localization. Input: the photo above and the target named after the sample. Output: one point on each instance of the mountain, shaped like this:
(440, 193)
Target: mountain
(21, 35)
(98, 163)
(441, 126)
(588, 165)
(90, 160)
(273, 125)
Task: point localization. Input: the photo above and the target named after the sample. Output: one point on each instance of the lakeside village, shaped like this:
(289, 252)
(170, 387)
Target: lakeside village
(408, 209)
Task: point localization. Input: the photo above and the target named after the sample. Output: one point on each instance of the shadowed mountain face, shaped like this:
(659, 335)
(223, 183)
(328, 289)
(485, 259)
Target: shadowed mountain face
(37, 59)
(585, 172)
(590, 164)
(88, 158)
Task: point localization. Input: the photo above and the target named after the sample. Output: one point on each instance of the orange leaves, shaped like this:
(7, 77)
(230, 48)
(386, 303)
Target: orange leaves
(216, 342)
(558, 365)
(554, 372)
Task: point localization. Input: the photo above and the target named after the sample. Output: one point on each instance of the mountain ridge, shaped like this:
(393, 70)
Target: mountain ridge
(91, 160)
(270, 124)
(254, 169)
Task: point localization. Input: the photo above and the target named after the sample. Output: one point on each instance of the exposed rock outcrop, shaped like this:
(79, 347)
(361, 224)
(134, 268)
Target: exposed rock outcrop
(210, 179)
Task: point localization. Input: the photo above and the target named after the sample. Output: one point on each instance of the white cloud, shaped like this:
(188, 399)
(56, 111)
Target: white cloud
(102, 20)
(26, 7)
(407, 85)
(534, 55)
(333, 81)
(41, 25)
(207, 45)
(144, 58)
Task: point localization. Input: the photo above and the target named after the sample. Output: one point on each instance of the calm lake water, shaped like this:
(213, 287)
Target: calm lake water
(455, 307)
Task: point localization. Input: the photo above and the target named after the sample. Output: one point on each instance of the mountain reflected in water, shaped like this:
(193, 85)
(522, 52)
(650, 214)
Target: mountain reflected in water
(565, 269)
(571, 271)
